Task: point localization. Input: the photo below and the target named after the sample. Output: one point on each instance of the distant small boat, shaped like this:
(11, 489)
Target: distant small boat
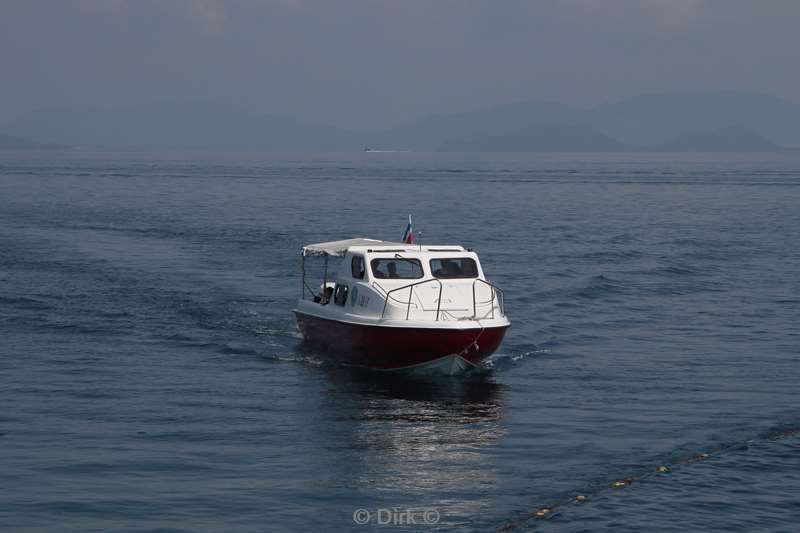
(397, 306)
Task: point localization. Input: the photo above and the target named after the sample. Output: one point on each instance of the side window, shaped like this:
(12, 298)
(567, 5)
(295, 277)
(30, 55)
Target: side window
(357, 267)
(340, 294)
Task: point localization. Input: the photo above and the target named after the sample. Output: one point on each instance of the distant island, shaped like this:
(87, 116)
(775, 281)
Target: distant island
(666, 122)
(539, 138)
(10, 142)
(553, 138)
(730, 139)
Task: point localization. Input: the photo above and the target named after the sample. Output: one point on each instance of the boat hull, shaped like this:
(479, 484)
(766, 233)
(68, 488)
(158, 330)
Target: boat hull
(441, 350)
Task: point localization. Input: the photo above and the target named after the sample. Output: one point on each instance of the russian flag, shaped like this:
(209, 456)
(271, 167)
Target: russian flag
(408, 236)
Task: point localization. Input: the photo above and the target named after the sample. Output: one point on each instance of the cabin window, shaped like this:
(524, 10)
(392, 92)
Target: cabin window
(396, 268)
(357, 267)
(453, 268)
(340, 294)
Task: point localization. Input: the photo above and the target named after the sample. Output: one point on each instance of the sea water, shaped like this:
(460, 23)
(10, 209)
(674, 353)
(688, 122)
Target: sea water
(151, 375)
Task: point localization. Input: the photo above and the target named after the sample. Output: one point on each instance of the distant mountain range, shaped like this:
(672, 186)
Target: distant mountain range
(711, 121)
(557, 138)
(539, 138)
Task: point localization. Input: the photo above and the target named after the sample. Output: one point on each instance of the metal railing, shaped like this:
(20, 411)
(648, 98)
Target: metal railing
(497, 293)
(501, 299)
(410, 288)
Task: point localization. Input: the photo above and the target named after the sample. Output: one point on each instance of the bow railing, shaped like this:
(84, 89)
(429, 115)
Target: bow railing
(410, 288)
(496, 294)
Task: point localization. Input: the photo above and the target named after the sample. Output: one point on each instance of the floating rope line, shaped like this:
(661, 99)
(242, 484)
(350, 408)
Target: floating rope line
(549, 511)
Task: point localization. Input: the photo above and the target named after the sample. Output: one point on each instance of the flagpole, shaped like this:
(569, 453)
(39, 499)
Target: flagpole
(415, 236)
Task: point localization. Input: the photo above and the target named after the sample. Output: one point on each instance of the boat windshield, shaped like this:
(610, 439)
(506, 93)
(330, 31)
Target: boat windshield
(396, 268)
(451, 268)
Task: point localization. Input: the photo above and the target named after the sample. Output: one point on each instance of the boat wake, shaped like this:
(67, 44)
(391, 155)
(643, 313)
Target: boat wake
(501, 362)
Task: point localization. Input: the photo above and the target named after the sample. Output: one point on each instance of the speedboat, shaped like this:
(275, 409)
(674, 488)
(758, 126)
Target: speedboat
(397, 306)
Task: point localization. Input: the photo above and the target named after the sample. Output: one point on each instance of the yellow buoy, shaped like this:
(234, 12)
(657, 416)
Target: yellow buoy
(580, 498)
(662, 469)
(543, 511)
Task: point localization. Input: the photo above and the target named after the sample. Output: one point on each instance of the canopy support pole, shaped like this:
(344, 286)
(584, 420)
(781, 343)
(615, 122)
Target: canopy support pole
(303, 276)
(325, 279)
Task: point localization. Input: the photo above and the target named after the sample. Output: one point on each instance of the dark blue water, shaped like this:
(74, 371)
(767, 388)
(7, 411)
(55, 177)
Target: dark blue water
(151, 377)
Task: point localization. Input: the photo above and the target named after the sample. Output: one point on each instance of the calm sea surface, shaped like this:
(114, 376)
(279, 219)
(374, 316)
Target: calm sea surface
(151, 377)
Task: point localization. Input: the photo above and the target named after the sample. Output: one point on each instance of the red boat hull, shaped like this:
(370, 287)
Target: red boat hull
(392, 348)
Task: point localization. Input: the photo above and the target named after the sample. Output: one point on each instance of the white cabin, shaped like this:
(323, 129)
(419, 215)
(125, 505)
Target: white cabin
(385, 283)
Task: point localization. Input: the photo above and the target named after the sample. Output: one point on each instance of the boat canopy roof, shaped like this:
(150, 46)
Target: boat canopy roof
(339, 248)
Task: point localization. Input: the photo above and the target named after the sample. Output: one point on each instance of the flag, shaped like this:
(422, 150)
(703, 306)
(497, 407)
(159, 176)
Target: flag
(408, 236)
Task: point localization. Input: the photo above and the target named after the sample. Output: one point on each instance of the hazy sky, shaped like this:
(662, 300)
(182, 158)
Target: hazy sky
(375, 62)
